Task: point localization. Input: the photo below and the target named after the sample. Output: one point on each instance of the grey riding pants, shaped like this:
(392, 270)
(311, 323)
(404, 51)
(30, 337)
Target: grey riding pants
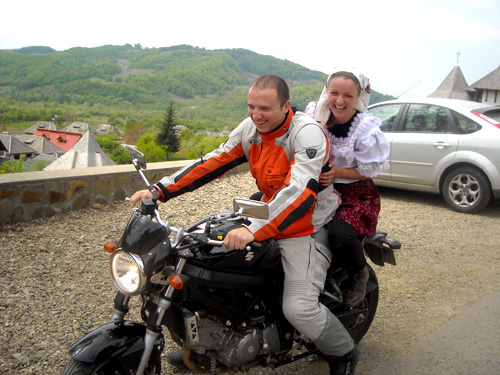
(305, 262)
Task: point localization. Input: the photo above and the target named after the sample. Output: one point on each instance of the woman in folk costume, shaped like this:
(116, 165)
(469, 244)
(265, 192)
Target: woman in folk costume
(358, 152)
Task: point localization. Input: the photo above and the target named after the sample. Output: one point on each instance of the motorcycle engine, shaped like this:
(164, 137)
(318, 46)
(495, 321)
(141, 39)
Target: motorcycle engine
(232, 348)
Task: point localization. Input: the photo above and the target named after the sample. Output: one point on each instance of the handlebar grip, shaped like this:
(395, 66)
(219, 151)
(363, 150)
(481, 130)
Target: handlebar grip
(215, 243)
(251, 246)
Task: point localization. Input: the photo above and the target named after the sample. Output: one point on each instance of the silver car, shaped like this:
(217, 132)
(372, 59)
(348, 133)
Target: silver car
(445, 146)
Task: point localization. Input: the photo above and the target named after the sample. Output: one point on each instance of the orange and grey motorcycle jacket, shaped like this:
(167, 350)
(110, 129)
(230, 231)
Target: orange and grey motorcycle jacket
(286, 164)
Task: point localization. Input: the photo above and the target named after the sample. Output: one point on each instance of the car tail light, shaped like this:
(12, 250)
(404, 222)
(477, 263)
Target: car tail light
(487, 118)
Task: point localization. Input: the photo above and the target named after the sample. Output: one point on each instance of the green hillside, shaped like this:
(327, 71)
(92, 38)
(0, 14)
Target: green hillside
(129, 84)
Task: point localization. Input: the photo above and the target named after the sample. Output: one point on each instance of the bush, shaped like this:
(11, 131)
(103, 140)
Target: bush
(112, 146)
(38, 165)
(12, 166)
(147, 145)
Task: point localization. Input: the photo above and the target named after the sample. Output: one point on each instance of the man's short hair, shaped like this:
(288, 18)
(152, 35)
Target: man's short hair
(271, 81)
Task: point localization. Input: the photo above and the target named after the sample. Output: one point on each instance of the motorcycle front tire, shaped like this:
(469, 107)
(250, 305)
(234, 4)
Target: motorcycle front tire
(109, 366)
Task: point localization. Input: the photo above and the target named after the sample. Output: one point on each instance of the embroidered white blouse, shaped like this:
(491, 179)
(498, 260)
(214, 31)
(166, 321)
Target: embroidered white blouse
(365, 148)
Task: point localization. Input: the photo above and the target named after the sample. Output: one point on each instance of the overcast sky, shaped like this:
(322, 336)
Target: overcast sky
(401, 45)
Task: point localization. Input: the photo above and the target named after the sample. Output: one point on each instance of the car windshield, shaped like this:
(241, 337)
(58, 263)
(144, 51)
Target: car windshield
(387, 114)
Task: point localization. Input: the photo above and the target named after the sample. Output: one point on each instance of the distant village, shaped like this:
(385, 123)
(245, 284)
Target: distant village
(76, 147)
(72, 147)
(485, 90)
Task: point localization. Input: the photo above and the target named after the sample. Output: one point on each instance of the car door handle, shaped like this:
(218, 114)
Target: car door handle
(441, 145)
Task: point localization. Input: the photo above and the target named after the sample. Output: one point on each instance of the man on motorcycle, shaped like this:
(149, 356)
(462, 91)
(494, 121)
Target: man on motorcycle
(286, 152)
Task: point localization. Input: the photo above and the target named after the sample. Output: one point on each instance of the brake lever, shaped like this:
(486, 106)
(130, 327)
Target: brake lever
(201, 238)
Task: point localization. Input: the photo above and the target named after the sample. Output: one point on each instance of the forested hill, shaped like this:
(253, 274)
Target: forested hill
(121, 84)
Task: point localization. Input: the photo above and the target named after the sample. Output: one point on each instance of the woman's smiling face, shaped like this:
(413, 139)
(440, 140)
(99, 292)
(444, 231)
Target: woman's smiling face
(342, 96)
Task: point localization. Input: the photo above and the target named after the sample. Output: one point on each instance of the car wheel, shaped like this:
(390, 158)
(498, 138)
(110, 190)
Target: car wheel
(466, 190)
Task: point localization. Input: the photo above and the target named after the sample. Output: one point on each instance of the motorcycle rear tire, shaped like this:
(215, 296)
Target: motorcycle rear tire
(105, 367)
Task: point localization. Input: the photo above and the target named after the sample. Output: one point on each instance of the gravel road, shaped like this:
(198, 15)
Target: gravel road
(438, 310)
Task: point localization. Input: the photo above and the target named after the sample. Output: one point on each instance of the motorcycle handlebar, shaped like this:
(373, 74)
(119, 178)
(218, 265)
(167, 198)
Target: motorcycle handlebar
(250, 246)
(218, 243)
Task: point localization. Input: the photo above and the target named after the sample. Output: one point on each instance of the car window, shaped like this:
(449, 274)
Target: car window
(493, 113)
(387, 114)
(427, 118)
(465, 124)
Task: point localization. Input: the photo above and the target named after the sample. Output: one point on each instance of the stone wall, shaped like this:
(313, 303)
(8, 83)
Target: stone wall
(34, 195)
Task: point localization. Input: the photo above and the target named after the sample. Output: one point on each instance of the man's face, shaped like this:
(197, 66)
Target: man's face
(265, 110)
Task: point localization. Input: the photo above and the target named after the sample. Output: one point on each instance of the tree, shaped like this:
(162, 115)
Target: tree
(203, 145)
(133, 133)
(12, 166)
(168, 135)
(195, 146)
(111, 145)
(147, 144)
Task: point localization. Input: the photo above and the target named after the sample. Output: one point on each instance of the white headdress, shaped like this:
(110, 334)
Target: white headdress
(322, 112)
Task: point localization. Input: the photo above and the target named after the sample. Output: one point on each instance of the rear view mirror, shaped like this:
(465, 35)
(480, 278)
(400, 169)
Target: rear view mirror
(251, 208)
(138, 157)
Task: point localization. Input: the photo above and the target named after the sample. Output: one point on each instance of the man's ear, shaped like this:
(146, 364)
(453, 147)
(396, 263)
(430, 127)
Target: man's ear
(286, 107)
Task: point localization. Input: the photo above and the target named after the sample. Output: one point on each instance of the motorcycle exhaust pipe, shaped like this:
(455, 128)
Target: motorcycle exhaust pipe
(193, 366)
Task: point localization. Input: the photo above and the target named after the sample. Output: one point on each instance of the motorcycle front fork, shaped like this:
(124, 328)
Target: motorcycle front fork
(152, 335)
(153, 330)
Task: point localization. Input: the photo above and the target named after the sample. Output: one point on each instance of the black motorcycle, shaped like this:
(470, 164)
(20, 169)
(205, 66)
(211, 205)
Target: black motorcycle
(221, 306)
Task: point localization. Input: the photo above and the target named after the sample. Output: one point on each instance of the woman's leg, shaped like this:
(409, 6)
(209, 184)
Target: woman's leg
(346, 247)
(348, 253)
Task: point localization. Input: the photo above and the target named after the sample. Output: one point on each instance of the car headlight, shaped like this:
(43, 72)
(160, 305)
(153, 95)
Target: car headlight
(128, 272)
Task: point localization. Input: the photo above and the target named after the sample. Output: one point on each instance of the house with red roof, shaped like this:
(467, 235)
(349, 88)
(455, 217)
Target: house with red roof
(63, 140)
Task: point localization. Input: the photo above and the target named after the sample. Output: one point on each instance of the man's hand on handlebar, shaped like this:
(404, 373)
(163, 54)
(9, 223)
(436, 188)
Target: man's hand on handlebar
(138, 196)
(238, 238)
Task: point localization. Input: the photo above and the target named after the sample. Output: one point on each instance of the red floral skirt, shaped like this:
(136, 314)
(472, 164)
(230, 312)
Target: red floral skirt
(360, 206)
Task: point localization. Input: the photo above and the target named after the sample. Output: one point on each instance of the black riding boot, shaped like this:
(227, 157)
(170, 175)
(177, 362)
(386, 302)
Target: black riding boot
(344, 365)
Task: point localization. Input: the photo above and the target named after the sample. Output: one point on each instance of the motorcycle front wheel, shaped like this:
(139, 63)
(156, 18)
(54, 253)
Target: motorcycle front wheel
(107, 367)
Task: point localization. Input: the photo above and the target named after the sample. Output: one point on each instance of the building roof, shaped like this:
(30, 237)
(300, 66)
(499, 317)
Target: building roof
(42, 125)
(489, 82)
(49, 157)
(63, 140)
(453, 86)
(108, 129)
(40, 144)
(79, 127)
(85, 153)
(2, 146)
(14, 146)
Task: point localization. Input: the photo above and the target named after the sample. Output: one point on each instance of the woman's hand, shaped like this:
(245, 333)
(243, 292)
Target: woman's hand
(326, 178)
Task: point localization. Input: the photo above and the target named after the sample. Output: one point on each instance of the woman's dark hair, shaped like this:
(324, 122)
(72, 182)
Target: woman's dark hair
(346, 75)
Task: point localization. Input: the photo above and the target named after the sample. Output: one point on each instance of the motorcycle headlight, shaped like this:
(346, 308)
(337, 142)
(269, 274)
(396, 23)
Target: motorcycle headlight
(128, 272)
